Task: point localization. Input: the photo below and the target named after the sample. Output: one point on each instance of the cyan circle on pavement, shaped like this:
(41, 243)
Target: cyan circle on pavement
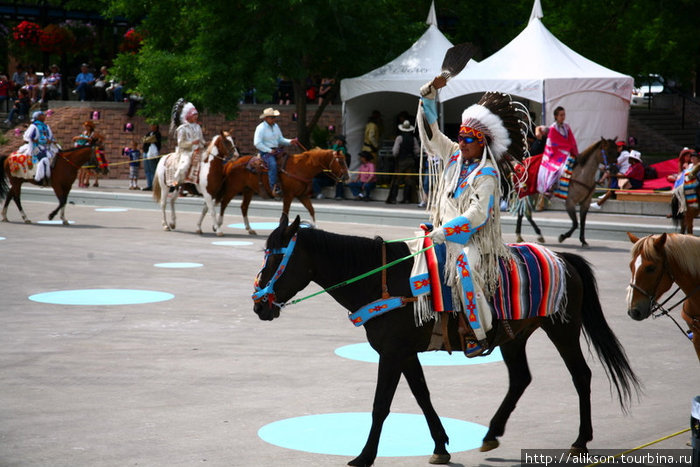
(178, 265)
(54, 222)
(365, 353)
(344, 434)
(101, 297)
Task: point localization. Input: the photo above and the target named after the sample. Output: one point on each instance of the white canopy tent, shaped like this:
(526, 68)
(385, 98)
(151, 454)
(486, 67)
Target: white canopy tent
(537, 66)
(392, 88)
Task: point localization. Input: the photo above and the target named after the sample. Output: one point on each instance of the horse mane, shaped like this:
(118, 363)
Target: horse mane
(683, 250)
(353, 252)
(583, 157)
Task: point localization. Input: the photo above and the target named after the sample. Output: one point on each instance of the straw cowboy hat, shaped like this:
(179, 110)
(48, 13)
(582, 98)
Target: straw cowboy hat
(406, 126)
(269, 112)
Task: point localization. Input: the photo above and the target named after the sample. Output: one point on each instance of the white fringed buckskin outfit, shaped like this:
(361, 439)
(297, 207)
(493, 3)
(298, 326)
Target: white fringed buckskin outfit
(465, 197)
(190, 142)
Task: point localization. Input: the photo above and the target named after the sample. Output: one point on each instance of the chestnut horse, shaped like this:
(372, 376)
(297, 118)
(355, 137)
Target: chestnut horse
(295, 179)
(659, 261)
(64, 172)
(211, 179)
(581, 187)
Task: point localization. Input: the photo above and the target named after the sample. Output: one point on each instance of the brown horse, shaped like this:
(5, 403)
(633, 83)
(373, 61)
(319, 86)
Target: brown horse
(211, 180)
(295, 180)
(691, 209)
(65, 170)
(659, 261)
(581, 186)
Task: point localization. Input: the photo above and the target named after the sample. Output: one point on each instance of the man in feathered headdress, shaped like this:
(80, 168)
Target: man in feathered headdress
(465, 197)
(190, 139)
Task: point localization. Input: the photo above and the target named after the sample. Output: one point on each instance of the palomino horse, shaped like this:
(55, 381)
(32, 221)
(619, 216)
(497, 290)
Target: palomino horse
(295, 180)
(211, 179)
(581, 186)
(294, 257)
(63, 174)
(659, 261)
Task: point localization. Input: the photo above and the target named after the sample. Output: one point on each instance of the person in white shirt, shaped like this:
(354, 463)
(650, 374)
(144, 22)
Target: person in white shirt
(267, 140)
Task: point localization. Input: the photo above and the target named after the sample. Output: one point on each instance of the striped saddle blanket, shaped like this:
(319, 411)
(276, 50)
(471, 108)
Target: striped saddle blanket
(562, 190)
(532, 283)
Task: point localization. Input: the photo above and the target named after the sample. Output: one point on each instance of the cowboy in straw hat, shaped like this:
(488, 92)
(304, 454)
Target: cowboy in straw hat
(405, 150)
(190, 139)
(464, 198)
(268, 139)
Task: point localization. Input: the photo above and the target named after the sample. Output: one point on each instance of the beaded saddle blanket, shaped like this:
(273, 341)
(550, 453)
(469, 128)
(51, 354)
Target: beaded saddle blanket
(21, 166)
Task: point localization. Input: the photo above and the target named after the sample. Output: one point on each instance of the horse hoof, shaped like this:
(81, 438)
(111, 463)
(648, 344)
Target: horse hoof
(252, 232)
(439, 459)
(219, 233)
(4, 219)
(519, 239)
(166, 228)
(198, 231)
(172, 226)
(562, 238)
(27, 221)
(489, 445)
(585, 245)
(65, 222)
(577, 450)
(540, 239)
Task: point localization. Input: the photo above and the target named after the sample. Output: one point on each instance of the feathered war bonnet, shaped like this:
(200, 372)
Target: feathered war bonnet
(504, 124)
(179, 114)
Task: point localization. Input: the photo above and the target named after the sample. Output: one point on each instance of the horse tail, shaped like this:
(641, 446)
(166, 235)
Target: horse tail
(597, 332)
(4, 188)
(156, 188)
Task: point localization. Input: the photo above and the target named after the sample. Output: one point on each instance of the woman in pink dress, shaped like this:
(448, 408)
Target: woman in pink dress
(560, 145)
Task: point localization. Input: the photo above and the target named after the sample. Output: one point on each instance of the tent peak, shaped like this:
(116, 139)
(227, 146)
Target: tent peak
(432, 17)
(536, 11)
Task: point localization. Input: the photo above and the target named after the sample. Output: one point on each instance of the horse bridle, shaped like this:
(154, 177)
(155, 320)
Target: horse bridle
(660, 307)
(337, 157)
(267, 293)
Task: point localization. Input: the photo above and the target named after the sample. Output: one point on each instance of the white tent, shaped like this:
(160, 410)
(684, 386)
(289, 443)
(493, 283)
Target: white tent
(537, 66)
(392, 88)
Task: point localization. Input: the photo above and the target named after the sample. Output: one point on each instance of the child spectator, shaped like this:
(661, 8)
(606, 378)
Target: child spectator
(134, 155)
(365, 181)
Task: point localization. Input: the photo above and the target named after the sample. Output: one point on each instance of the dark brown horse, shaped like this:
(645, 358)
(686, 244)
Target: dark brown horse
(295, 179)
(63, 174)
(295, 257)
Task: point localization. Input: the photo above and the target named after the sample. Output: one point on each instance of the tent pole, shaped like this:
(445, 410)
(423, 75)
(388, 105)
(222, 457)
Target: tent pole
(544, 107)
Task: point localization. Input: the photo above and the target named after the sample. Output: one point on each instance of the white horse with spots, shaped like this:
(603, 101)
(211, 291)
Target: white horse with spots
(211, 178)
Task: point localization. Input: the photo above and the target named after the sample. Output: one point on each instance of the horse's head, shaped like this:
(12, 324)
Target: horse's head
(651, 275)
(338, 167)
(283, 273)
(608, 151)
(221, 147)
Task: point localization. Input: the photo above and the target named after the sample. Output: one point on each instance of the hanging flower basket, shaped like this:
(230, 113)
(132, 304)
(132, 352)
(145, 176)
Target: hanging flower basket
(26, 34)
(132, 41)
(55, 39)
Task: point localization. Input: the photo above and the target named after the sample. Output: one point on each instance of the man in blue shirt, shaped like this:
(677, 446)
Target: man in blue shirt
(84, 82)
(268, 139)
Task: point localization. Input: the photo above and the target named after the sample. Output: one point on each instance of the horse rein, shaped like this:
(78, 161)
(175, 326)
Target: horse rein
(660, 307)
(328, 171)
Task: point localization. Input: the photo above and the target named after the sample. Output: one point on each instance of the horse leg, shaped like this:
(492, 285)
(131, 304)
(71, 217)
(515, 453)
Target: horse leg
(519, 378)
(215, 223)
(306, 202)
(583, 212)
(247, 196)
(571, 211)
(518, 228)
(413, 372)
(13, 194)
(62, 200)
(565, 337)
(540, 237)
(389, 373)
(205, 209)
(176, 193)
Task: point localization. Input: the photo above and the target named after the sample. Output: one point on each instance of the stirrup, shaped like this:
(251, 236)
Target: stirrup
(477, 348)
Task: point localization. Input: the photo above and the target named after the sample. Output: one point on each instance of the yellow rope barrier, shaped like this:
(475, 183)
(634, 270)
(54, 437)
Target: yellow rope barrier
(643, 446)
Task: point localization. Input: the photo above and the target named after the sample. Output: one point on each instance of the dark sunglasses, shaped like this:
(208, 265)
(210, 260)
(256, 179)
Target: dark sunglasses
(466, 139)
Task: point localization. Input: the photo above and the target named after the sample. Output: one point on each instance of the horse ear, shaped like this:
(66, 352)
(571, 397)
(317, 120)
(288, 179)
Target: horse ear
(660, 242)
(284, 220)
(633, 237)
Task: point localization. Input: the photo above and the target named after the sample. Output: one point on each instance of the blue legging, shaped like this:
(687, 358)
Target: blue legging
(271, 162)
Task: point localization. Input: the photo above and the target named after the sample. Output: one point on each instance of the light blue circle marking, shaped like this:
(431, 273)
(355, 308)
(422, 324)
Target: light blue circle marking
(257, 225)
(178, 265)
(57, 222)
(101, 297)
(2, 238)
(231, 243)
(111, 209)
(344, 434)
(365, 353)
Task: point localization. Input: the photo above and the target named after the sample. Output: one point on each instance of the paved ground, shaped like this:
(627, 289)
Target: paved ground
(190, 381)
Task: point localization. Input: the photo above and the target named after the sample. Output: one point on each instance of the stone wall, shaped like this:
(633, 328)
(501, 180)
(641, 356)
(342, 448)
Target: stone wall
(67, 122)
